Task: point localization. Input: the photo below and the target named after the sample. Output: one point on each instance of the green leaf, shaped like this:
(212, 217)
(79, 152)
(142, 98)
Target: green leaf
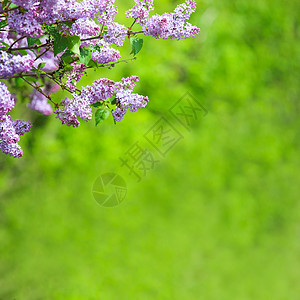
(85, 56)
(68, 67)
(101, 115)
(93, 64)
(68, 23)
(4, 3)
(74, 44)
(23, 52)
(67, 56)
(97, 104)
(41, 65)
(96, 48)
(31, 79)
(3, 23)
(32, 41)
(52, 29)
(136, 45)
(5, 44)
(60, 44)
(113, 100)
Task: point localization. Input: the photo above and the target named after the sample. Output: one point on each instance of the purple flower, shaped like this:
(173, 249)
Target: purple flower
(79, 106)
(131, 101)
(93, 22)
(24, 23)
(22, 126)
(127, 83)
(172, 25)
(9, 135)
(7, 102)
(107, 15)
(74, 75)
(118, 114)
(40, 103)
(12, 149)
(126, 99)
(24, 3)
(106, 54)
(100, 90)
(11, 64)
(7, 130)
(140, 11)
(116, 34)
(85, 28)
(183, 11)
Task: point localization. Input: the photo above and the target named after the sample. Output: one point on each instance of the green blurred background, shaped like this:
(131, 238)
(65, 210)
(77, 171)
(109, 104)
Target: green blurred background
(218, 218)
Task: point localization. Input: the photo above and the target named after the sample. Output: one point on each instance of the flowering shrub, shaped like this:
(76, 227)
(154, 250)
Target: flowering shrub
(49, 44)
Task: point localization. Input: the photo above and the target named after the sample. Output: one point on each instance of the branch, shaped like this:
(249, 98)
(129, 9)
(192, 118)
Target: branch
(17, 40)
(31, 48)
(40, 91)
(60, 83)
(10, 9)
(47, 49)
(29, 75)
(135, 32)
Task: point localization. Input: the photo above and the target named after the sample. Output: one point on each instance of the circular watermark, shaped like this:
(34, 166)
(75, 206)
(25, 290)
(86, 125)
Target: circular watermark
(109, 190)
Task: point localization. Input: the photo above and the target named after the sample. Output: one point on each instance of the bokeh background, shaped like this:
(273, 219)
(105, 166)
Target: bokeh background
(217, 218)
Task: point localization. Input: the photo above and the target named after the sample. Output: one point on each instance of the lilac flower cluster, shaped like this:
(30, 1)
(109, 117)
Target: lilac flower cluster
(12, 64)
(173, 25)
(50, 44)
(126, 99)
(101, 90)
(105, 54)
(21, 126)
(116, 34)
(74, 75)
(24, 3)
(25, 23)
(7, 102)
(39, 102)
(85, 28)
(10, 130)
(140, 11)
(79, 106)
(166, 26)
(52, 11)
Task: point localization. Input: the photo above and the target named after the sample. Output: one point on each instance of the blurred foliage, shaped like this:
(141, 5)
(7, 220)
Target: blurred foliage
(218, 218)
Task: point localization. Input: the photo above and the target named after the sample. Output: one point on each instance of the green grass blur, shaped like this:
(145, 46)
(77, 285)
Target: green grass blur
(218, 218)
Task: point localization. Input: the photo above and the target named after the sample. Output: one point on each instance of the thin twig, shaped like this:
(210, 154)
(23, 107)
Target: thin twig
(47, 49)
(114, 63)
(48, 44)
(10, 9)
(93, 38)
(40, 91)
(32, 47)
(17, 40)
(29, 75)
(61, 84)
(137, 32)
(133, 23)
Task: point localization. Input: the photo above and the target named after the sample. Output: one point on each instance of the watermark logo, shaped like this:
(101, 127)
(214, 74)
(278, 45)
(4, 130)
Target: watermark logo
(138, 160)
(163, 136)
(109, 190)
(188, 110)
